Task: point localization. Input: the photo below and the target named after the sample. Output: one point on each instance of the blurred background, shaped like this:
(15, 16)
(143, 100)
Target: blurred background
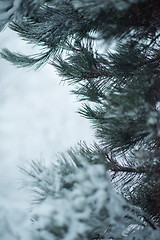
(38, 119)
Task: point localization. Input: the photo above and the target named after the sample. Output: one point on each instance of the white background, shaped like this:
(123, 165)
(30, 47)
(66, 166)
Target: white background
(37, 120)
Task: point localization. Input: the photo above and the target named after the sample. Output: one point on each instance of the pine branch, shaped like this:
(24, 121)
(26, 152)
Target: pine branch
(20, 60)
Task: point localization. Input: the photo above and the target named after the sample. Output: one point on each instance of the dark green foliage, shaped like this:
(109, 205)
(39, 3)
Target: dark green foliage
(50, 27)
(21, 60)
(120, 85)
(54, 25)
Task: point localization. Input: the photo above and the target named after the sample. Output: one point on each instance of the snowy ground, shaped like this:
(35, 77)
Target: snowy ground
(37, 120)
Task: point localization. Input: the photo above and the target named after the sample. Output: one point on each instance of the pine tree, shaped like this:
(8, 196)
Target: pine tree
(108, 50)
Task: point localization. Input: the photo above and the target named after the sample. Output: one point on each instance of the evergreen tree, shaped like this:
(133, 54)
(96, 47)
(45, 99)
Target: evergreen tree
(109, 51)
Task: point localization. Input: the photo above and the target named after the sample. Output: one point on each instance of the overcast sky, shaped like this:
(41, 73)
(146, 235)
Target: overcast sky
(37, 120)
